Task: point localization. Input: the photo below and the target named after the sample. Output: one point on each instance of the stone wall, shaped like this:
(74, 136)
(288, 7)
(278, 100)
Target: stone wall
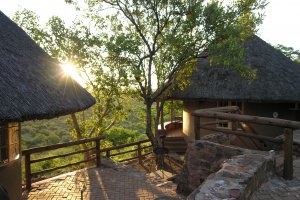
(238, 179)
(202, 158)
(215, 166)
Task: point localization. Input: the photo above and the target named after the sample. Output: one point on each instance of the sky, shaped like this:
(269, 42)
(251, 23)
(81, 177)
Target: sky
(281, 24)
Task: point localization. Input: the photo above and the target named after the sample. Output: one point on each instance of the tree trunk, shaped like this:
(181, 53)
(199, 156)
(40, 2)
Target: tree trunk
(79, 135)
(159, 117)
(149, 125)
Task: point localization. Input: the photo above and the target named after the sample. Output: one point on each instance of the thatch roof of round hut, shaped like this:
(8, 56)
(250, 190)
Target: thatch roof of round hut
(32, 84)
(277, 78)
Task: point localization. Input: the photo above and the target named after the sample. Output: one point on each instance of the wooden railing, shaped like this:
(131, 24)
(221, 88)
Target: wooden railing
(28, 161)
(232, 114)
(95, 149)
(139, 150)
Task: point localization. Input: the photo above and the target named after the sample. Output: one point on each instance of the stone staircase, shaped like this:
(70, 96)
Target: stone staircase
(175, 144)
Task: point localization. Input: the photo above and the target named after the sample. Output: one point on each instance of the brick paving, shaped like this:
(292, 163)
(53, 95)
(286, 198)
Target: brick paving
(279, 189)
(101, 183)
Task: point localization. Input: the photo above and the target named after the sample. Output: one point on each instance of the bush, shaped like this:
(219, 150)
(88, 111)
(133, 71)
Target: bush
(120, 135)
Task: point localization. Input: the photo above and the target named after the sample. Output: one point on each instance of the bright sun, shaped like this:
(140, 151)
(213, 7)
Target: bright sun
(70, 70)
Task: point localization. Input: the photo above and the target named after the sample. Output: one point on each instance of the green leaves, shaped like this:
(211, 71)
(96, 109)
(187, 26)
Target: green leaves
(289, 52)
(83, 47)
(150, 47)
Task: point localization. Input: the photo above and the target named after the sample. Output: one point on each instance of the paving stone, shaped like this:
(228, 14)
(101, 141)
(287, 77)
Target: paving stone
(279, 189)
(101, 183)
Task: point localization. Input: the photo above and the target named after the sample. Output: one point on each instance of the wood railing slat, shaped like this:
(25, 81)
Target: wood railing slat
(62, 155)
(60, 167)
(123, 152)
(123, 145)
(27, 153)
(248, 118)
(58, 146)
(260, 137)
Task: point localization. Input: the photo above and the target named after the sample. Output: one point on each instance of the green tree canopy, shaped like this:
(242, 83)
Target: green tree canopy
(83, 48)
(289, 52)
(157, 42)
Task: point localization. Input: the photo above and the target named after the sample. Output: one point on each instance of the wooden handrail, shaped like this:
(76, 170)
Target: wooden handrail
(60, 145)
(220, 113)
(248, 118)
(61, 155)
(61, 167)
(124, 145)
(260, 137)
(27, 154)
(138, 150)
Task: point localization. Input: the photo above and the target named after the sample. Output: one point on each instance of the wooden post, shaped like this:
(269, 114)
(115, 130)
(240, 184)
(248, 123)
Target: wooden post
(139, 153)
(288, 154)
(234, 125)
(171, 110)
(108, 154)
(27, 172)
(98, 158)
(162, 121)
(197, 127)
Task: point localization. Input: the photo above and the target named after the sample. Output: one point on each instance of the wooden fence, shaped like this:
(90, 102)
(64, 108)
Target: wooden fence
(232, 114)
(138, 150)
(95, 149)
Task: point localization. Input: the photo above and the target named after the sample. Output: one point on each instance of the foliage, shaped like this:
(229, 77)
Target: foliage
(44, 132)
(120, 135)
(78, 45)
(157, 43)
(289, 52)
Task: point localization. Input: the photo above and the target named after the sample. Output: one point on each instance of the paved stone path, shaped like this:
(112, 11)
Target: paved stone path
(103, 184)
(279, 189)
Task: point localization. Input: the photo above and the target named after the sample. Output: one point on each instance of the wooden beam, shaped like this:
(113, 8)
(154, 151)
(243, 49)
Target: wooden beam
(61, 167)
(213, 122)
(62, 155)
(57, 146)
(139, 153)
(197, 127)
(124, 145)
(248, 118)
(221, 109)
(27, 172)
(227, 131)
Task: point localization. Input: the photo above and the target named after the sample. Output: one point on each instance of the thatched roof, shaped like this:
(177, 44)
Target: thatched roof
(32, 85)
(278, 78)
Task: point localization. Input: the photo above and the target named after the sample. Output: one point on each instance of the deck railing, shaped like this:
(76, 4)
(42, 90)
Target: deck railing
(139, 150)
(94, 149)
(232, 114)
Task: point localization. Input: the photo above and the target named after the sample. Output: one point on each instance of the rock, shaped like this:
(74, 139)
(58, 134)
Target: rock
(203, 158)
(238, 178)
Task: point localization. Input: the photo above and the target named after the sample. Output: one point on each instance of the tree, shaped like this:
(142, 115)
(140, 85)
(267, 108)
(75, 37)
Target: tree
(77, 44)
(289, 52)
(158, 42)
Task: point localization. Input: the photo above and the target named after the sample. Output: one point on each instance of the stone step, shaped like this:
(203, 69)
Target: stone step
(175, 138)
(177, 143)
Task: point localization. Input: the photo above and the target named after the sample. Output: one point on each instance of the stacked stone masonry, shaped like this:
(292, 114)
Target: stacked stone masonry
(214, 171)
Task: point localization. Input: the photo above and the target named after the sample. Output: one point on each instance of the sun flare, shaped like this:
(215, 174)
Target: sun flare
(70, 70)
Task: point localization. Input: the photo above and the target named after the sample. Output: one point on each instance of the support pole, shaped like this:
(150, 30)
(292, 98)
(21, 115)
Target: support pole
(139, 153)
(234, 125)
(98, 159)
(27, 172)
(197, 127)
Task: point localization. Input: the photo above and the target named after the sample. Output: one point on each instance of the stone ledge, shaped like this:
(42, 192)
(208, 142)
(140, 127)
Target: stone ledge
(238, 178)
(203, 158)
